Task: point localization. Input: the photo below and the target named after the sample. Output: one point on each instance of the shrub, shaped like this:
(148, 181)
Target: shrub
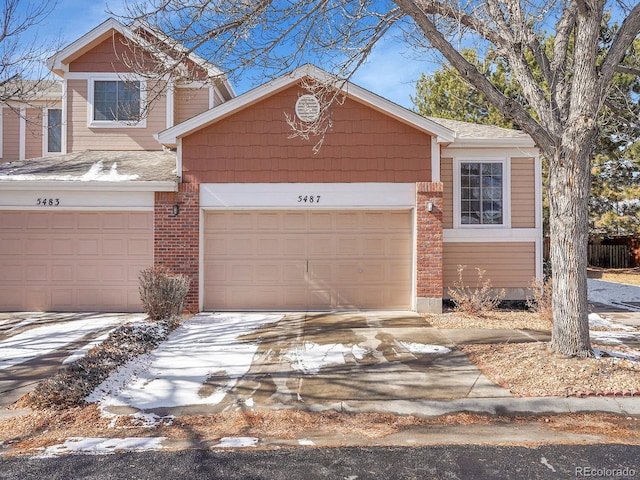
(475, 300)
(540, 302)
(162, 292)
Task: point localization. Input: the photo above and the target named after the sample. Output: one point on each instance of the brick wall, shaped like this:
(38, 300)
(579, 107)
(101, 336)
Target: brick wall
(429, 240)
(176, 238)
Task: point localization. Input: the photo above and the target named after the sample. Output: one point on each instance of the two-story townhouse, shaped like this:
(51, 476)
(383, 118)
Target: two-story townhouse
(215, 186)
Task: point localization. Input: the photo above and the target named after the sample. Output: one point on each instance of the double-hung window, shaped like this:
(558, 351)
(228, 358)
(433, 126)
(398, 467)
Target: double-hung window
(482, 193)
(116, 103)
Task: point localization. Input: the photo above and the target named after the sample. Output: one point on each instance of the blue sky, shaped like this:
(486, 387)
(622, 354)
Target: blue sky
(389, 72)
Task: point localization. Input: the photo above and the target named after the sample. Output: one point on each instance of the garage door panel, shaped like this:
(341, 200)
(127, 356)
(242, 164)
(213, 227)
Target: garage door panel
(37, 273)
(62, 273)
(307, 259)
(62, 221)
(11, 246)
(62, 246)
(12, 221)
(74, 262)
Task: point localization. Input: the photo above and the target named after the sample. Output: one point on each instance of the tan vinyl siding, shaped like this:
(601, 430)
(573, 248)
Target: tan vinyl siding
(190, 102)
(81, 137)
(33, 134)
(523, 193)
(446, 175)
(10, 135)
(507, 265)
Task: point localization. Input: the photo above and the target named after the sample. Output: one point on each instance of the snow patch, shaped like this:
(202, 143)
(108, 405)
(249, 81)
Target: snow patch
(97, 173)
(236, 442)
(596, 321)
(615, 294)
(306, 442)
(312, 357)
(82, 352)
(174, 373)
(42, 340)
(424, 348)
(633, 355)
(101, 446)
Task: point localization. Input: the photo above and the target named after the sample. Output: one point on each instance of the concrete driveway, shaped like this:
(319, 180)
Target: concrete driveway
(312, 361)
(34, 345)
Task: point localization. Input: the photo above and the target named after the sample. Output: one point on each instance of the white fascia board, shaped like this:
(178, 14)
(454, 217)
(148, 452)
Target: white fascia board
(493, 142)
(17, 185)
(488, 151)
(169, 136)
(55, 61)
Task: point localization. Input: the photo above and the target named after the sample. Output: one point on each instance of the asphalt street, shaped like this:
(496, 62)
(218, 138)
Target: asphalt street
(610, 461)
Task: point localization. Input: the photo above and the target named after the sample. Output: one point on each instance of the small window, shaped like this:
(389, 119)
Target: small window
(116, 101)
(481, 193)
(54, 130)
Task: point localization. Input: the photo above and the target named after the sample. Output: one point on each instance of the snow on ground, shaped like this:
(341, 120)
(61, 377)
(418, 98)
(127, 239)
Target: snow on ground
(236, 442)
(424, 348)
(101, 446)
(81, 352)
(596, 321)
(39, 341)
(615, 294)
(312, 357)
(173, 374)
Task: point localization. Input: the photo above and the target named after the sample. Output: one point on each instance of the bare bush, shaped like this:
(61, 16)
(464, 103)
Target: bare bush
(476, 300)
(540, 302)
(162, 292)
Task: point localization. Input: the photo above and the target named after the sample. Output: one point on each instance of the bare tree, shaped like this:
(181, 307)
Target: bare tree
(565, 87)
(22, 53)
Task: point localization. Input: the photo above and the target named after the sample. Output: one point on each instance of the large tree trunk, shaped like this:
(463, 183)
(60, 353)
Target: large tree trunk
(569, 182)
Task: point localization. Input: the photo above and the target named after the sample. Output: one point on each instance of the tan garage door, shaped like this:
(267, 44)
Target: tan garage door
(66, 261)
(307, 260)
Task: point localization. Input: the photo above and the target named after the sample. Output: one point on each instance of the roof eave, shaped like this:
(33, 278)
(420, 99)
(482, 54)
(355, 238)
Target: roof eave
(169, 137)
(124, 186)
(493, 142)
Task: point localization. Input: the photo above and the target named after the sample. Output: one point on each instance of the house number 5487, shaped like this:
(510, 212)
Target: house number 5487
(308, 198)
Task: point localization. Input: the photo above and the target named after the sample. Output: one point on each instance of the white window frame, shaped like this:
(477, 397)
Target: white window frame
(45, 131)
(506, 192)
(115, 77)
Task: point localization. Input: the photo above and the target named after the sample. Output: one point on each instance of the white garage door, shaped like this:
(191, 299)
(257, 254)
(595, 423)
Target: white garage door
(315, 260)
(66, 261)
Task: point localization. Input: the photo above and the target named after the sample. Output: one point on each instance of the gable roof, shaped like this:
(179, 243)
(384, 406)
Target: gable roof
(59, 62)
(169, 136)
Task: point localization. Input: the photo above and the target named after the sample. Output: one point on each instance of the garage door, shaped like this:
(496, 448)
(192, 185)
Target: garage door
(66, 261)
(316, 260)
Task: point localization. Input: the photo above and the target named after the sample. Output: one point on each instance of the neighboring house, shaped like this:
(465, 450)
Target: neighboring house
(216, 187)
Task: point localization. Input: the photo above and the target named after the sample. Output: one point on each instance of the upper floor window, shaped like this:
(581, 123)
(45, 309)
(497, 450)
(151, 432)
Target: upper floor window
(116, 103)
(54, 130)
(482, 193)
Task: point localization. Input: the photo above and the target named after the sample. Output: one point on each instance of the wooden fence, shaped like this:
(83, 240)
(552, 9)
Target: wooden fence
(609, 256)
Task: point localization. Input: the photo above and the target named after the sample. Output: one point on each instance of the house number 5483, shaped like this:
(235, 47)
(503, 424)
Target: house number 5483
(308, 198)
(48, 202)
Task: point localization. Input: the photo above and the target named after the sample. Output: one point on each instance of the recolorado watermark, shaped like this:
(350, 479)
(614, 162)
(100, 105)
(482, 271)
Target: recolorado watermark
(605, 472)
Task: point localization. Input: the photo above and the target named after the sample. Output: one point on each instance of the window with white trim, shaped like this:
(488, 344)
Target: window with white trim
(53, 130)
(482, 193)
(116, 103)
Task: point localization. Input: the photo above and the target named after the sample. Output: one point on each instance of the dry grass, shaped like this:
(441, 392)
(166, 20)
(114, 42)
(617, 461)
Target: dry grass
(629, 276)
(533, 370)
(45, 428)
(509, 319)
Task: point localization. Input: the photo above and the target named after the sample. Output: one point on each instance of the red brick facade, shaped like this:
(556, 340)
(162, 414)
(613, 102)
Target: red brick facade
(429, 238)
(177, 237)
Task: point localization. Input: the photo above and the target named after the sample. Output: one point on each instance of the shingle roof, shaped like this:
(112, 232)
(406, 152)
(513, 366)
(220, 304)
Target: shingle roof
(477, 131)
(94, 165)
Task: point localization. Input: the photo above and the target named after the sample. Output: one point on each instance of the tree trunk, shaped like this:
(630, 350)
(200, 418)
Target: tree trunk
(569, 182)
